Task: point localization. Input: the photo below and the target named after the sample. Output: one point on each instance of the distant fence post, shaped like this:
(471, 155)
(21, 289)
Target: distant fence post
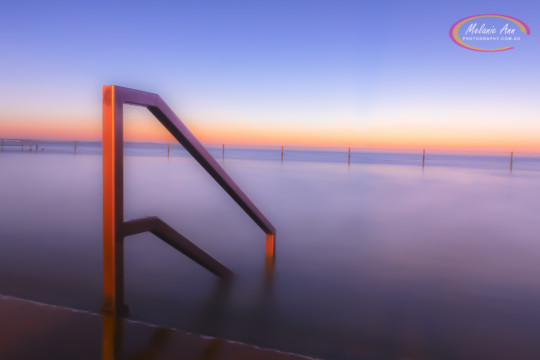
(349, 160)
(22, 145)
(223, 152)
(511, 160)
(75, 147)
(282, 154)
(168, 150)
(423, 157)
(36, 145)
(2, 145)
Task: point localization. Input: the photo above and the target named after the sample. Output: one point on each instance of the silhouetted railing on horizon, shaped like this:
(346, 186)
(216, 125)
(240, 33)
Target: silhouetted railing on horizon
(17, 145)
(30, 145)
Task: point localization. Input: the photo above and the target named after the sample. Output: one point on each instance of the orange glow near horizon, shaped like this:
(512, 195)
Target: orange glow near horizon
(455, 138)
(141, 129)
(493, 140)
(85, 129)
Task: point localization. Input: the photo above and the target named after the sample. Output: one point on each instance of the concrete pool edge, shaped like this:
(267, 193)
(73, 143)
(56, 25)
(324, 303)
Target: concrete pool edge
(31, 329)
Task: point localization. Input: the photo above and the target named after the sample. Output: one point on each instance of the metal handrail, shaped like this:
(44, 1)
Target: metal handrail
(114, 227)
(172, 237)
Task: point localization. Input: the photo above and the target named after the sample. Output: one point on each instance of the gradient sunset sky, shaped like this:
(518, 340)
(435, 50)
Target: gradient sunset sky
(329, 73)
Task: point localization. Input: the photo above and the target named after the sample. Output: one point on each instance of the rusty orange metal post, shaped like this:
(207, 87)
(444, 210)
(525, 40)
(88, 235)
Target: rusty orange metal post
(270, 245)
(115, 229)
(113, 203)
(270, 258)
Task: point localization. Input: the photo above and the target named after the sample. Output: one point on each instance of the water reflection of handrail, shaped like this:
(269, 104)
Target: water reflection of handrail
(114, 338)
(114, 227)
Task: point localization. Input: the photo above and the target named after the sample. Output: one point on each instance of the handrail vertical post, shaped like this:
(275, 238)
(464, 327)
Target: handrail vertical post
(2, 145)
(423, 157)
(113, 203)
(223, 153)
(270, 245)
(282, 154)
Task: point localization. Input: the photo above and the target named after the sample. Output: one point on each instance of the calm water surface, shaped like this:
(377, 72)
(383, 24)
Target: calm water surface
(373, 261)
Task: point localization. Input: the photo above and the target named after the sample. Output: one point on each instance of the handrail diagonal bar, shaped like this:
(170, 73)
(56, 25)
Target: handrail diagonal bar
(174, 125)
(178, 241)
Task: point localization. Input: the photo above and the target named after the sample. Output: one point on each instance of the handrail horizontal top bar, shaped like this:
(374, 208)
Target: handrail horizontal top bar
(176, 127)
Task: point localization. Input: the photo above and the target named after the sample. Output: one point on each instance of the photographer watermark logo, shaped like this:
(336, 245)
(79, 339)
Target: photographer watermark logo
(489, 32)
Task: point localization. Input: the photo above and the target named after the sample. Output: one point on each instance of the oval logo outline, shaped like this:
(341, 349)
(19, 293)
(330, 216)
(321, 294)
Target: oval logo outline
(454, 31)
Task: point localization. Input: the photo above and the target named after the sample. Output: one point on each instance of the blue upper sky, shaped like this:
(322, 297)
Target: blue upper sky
(348, 70)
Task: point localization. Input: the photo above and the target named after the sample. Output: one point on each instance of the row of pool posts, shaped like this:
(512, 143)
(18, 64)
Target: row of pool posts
(283, 150)
(223, 152)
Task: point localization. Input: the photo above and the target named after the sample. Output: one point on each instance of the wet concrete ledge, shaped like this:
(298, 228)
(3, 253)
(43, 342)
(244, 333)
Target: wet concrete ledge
(30, 330)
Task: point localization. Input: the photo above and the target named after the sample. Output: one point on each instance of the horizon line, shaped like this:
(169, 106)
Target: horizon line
(330, 147)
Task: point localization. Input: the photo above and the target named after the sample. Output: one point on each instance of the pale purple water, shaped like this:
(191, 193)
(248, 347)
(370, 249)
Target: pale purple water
(373, 261)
